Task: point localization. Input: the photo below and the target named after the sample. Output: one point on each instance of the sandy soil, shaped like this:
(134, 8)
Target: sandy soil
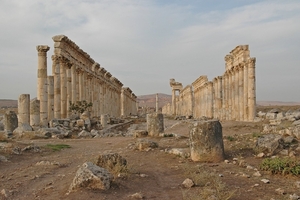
(21, 178)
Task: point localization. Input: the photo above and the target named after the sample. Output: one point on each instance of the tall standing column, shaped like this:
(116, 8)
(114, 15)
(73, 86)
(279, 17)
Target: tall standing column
(42, 83)
(220, 97)
(63, 87)
(69, 88)
(236, 92)
(241, 93)
(24, 110)
(251, 89)
(173, 101)
(230, 94)
(55, 69)
(156, 104)
(210, 100)
(74, 83)
(50, 81)
(246, 113)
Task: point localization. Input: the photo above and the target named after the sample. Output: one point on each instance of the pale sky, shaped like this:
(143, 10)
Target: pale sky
(144, 43)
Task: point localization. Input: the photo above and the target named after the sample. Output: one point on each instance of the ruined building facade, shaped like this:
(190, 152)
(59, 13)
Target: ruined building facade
(77, 77)
(231, 96)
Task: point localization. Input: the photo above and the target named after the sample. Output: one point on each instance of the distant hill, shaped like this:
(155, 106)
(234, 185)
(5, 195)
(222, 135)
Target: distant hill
(149, 100)
(8, 103)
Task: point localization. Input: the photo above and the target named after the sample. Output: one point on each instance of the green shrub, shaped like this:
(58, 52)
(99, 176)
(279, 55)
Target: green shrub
(57, 147)
(281, 166)
(230, 138)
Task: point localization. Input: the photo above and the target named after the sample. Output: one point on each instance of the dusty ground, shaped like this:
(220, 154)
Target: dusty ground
(21, 178)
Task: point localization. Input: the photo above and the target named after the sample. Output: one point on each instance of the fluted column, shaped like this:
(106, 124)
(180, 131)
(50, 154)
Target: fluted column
(74, 83)
(63, 88)
(81, 85)
(251, 89)
(241, 94)
(173, 101)
(231, 95)
(50, 81)
(236, 94)
(246, 112)
(210, 99)
(56, 74)
(69, 88)
(42, 83)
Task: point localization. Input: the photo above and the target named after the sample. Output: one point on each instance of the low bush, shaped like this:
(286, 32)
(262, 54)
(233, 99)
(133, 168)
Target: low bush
(281, 166)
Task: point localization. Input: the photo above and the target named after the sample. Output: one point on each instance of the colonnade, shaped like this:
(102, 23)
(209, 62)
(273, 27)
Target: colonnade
(77, 77)
(128, 100)
(228, 97)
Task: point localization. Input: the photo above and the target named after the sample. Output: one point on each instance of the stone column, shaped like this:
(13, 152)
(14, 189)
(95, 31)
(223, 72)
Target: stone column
(103, 120)
(69, 89)
(230, 95)
(10, 122)
(246, 113)
(155, 124)
(236, 94)
(173, 102)
(73, 83)
(35, 115)
(42, 83)
(241, 94)
(156, 103)
(206, 141)
(56, 71)
(24, 110)
(220, 97)
(50, 81)
(251, 89)
(210, 99)
(63, 87)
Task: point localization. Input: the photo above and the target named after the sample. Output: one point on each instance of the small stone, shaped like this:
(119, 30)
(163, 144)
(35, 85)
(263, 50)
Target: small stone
(226, 161)
(188, 183)
(245, 175)
(297, 184)
(256, 174)
(280, 191)
(3, 192)
(143, 175)
(221, 175)
(265, 180)
(137, 195)
(260, 155)
(294, 197)
(249, 167)
(255, 185)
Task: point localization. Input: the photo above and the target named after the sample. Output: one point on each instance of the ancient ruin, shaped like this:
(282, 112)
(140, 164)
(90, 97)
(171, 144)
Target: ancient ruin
(228, 97)
(75, 77)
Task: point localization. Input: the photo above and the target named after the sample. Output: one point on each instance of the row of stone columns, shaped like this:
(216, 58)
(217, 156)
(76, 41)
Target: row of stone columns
(76, 77)
(228, 97)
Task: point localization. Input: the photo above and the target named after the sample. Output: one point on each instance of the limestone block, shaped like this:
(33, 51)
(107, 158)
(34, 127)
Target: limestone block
(140, 133)
(103, 120)
(145, 144)
(92, 177)
(271, 115)
(155, 124)
(206, 141)
(22, 129)
(296, 123)
(281, 115)
(269, 144)
(35, 113)
(261, 114)
(10, 122)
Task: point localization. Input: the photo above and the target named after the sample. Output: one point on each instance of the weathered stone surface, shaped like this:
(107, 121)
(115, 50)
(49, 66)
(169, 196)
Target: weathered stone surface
(92, 177)
(140, 133)
(206, 141)
(145, 144)
(84, 134)
(155, 124)
(188, 183)
(111, 161)
(296, 123)
(269, 144)
(10, 122)
(22, 129)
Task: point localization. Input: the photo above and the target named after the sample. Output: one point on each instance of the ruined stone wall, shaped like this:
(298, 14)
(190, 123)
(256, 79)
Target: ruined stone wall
(228, 97)
(76, 77)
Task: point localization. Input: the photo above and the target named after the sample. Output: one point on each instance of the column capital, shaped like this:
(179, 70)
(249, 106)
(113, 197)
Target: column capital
(42, 49)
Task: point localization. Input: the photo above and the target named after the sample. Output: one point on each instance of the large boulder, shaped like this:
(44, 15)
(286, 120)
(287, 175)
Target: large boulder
(10, 122)
(91, 176)
(206, 141)
(269, 144)
(155, 124)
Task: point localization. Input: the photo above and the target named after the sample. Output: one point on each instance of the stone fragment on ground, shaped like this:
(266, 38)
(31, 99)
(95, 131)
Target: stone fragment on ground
(188, 183)
(269, 144)
(184, 153)
(145, 144)
(91, 176)
(140, 133)
(137, 195)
